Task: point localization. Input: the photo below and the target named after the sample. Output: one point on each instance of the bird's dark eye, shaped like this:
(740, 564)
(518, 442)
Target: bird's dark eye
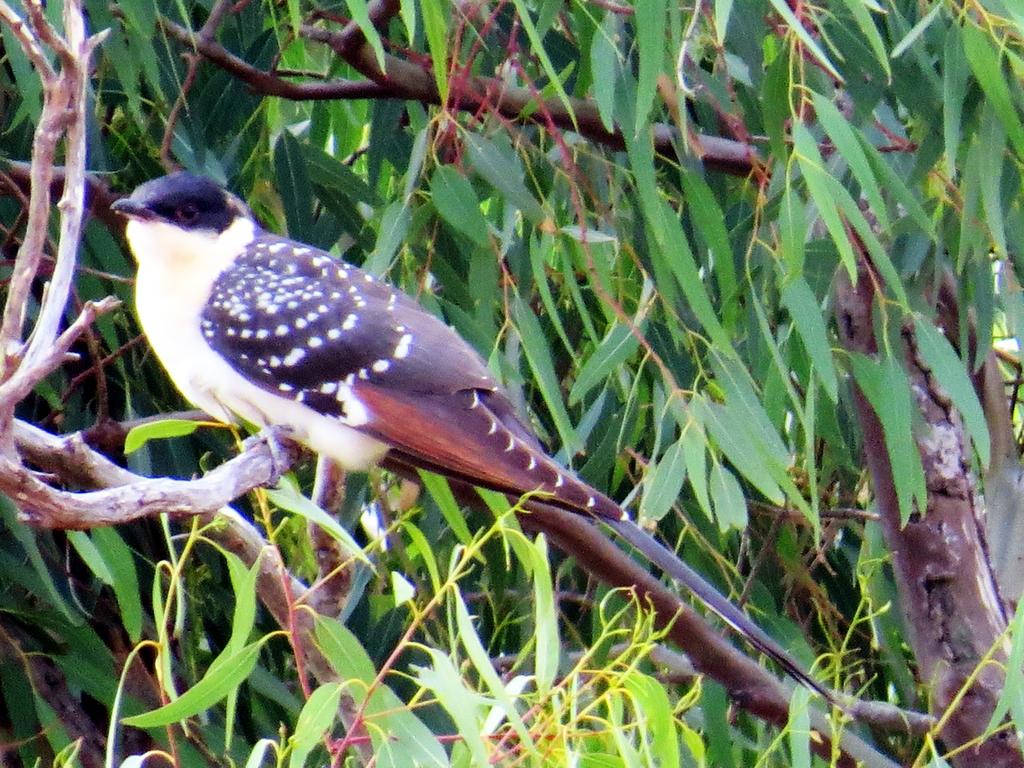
(186, 214)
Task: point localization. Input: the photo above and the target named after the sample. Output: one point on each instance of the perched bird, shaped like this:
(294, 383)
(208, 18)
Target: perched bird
(253, 325)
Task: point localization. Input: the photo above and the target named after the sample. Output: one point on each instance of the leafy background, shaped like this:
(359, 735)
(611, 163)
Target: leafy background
(662, 304)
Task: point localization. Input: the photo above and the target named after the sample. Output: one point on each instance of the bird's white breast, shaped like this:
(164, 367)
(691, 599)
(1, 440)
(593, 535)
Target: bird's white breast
(176, 272)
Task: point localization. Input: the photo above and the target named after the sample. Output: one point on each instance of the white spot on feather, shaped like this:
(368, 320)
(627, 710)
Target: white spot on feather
(402, 351)
(294, 356)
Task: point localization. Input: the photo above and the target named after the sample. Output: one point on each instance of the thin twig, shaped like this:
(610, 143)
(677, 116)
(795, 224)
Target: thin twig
(28, 41)
(31, 372)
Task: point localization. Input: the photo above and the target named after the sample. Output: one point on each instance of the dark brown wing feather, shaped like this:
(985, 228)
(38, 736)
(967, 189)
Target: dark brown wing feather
(463, 435)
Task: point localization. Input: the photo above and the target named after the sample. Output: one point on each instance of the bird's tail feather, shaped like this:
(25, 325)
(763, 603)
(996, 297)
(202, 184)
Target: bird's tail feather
(675, 568)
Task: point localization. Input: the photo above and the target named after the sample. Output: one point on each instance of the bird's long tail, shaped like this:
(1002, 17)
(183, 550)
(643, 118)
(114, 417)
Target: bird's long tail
(675, 568)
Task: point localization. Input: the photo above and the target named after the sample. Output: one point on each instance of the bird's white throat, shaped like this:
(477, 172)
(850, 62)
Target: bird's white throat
(162, 245)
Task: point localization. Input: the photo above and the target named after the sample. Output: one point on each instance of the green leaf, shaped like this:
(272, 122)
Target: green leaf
(727, 496)
(288, 498)
(547, 645)
(792, 230)
(664, 481)
(813, 168)
(465, 705)
(992, 147)
(408, 15)
(539, 356)
(361, 16)
(799, 729)
(435, 24)
(674, 247)
(869, 29)
(158, 430)
(504, 171)
(695, 454)
(916, 31)
(604, 65)
(783, 9)
(423, 549)
(803, 307)
(723, 10)
(987, 66)
(243, 584)
(482, 663)
(294, 187)
(893, 183)
(709, 221)
(91, 556)
(316, 720)
(732, 375)
(399, 738)
(846, 142)
(37, 578)
(615, 348)
(955, 74)
(650, 19)
(330, 173)
(831, 197)
(120, 562)
(656, 718)
(401, 588)
(227, 672)
(344, 651)
(457, 204)
(538, 50)
(1011, 699)
(442, 494)
(951, 373)
(731, 433)
(886, 388)
(391, 235)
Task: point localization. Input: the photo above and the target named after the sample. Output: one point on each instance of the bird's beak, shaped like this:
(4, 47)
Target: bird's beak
(132, 209)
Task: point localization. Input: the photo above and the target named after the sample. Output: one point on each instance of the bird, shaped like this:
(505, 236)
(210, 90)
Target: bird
(253, 326)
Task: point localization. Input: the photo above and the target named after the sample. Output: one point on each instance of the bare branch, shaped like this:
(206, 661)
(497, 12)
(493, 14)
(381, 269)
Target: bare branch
(45, 361)
(269, 84)
(411, 81)
(405, 80)
(63, 115)
(28, 40)
(42, 506)
(334, 581)
(98, 196)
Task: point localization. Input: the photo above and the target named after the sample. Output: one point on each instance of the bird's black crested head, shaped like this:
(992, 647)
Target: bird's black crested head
(184, 200)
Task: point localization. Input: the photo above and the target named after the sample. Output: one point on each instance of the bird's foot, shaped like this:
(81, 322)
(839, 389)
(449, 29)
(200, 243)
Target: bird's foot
(284, 450)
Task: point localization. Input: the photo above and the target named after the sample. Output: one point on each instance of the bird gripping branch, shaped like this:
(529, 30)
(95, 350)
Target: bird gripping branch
(256, 326)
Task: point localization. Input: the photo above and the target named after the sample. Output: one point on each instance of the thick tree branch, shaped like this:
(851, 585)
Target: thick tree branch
(947, 593)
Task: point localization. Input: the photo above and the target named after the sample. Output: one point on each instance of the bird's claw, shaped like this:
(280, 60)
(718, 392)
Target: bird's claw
(283, 449)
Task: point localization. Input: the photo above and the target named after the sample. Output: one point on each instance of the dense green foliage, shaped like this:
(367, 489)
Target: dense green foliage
(667, 322)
